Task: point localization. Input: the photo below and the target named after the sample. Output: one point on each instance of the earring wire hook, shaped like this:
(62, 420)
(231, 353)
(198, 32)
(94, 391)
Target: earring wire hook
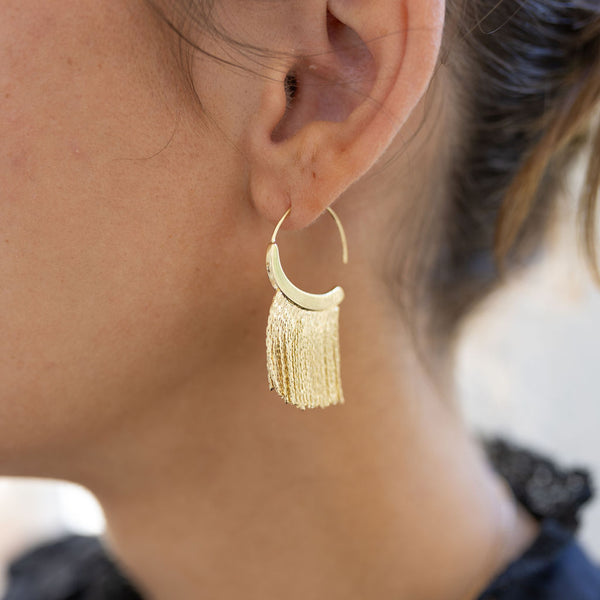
(338, 223)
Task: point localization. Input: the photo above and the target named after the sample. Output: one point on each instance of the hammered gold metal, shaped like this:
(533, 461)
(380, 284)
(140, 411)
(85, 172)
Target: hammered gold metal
(303, 355)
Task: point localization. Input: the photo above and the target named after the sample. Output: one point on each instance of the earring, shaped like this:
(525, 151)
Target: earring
(303, 348)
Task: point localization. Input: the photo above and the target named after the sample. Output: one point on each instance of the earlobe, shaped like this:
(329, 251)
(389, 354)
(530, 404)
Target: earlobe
(369, 65)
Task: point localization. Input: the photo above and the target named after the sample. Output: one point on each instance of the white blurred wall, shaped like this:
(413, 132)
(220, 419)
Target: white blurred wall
(34, 510)
(529, 363)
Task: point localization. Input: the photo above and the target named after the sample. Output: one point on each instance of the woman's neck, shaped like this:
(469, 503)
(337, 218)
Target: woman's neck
(234, 494)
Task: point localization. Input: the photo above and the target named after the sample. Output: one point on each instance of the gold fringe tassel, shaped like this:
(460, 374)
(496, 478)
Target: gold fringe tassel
(303, 354)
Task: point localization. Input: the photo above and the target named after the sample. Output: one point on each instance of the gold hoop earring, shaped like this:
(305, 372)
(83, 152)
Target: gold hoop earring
(303, 348)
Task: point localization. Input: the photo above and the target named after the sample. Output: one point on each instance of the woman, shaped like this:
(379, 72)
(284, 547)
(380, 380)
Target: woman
(149, 150)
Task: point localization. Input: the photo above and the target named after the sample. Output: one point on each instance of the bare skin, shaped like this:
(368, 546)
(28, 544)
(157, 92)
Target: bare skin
(383, 498)
(134, 229)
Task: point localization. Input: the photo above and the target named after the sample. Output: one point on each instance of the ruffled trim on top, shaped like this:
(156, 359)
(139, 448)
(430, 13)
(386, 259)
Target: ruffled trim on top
(551, 494)
(545, 489)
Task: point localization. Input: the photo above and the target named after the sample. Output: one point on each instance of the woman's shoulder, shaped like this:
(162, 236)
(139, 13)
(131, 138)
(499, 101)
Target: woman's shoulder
(554, 567)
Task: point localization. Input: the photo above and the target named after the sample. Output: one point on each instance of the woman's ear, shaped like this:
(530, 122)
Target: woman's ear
(336, 107)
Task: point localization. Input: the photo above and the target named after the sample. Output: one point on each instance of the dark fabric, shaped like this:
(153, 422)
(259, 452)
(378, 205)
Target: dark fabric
(71, 568)
(554, 567)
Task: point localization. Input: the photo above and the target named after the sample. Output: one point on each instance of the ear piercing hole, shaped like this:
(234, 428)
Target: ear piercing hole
(291, 86)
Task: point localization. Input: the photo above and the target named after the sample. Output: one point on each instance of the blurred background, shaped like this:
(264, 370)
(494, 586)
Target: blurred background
(529, 362)
(528, 367)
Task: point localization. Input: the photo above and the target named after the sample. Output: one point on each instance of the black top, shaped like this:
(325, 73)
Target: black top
(554, 567)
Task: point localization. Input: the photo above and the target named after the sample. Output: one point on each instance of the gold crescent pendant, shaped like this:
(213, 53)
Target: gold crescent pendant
(306, 300)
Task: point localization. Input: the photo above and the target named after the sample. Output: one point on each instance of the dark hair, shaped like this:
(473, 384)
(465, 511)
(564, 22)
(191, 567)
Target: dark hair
(527, 79)
(529, 71)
